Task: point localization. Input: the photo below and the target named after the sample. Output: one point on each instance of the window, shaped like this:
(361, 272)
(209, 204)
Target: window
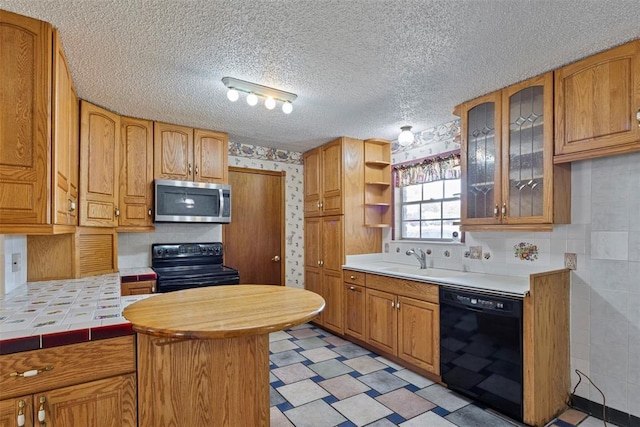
(429, 210)
(429, 194)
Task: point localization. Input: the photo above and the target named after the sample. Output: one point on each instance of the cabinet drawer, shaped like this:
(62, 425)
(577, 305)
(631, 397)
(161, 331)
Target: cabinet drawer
(355, 277)
(409, 288)
(72, 364)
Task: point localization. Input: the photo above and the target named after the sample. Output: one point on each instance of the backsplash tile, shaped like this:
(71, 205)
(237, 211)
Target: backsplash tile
(612, 245)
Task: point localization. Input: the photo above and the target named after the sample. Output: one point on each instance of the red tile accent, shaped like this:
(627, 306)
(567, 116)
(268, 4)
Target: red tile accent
(16, 345)
(65, 338)
(150, 276)
(126, 279)
(111, 331)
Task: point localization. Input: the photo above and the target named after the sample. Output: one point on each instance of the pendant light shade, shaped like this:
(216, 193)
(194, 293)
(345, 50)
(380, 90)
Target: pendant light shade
(406, 136)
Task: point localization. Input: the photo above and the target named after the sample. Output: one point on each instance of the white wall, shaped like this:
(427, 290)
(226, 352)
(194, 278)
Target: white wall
(605, 289)
(9, 245)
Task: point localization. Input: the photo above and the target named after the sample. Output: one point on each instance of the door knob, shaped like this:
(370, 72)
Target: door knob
(276, 258)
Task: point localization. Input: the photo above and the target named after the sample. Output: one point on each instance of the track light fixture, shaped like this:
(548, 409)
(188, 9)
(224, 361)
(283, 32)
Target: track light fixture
(254, 90)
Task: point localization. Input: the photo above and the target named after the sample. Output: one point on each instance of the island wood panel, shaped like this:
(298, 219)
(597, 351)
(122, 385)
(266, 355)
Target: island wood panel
(546, 362)
(203, 382)
(25, 113)
(72, 364)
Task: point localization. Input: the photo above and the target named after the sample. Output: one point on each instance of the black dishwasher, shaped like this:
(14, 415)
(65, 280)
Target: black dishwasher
(481, 348)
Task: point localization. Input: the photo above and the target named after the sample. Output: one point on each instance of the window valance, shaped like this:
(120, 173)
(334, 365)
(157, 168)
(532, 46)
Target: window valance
(434, 168)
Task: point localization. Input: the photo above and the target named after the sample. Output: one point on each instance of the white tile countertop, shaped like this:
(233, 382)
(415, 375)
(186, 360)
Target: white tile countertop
(63, 311)
(479, 282)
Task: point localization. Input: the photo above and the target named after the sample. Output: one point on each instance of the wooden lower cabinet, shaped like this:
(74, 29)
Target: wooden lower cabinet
(89, 384)
(355, 308)
(138, 288)
(404, 327)
(102, 403)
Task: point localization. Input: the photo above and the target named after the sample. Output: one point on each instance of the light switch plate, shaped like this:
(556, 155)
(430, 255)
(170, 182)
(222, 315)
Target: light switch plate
(571, 261)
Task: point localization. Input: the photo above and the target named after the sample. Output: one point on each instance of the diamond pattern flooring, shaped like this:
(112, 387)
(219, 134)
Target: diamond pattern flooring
(318, 379)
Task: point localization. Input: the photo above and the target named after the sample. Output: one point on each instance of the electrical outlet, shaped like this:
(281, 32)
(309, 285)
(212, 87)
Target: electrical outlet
(571, 261)
(16, 262)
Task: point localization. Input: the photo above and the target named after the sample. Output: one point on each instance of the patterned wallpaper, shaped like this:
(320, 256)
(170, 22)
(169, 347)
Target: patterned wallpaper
(255, 157)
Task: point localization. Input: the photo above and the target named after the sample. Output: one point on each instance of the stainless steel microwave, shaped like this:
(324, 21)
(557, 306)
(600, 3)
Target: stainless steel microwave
(186, 201)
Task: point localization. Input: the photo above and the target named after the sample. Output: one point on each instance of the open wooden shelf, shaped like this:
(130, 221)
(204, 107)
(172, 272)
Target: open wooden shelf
(377, 179)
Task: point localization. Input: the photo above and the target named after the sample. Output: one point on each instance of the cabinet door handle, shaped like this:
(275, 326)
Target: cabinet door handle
(117, 212)
(495, 211)
(398, 305)
(21, 418)
(321, 205)
(72, 205)
(352, 277)
(41, 413)
(352, 288)
(32, 372)
(638, 117)
(150, 212)
(196, 170)
(189, 168)
(393, 304)
(504, 210)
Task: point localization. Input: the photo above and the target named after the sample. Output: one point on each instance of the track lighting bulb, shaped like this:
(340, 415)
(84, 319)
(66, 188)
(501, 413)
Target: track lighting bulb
(252, 99)
(270, 103)
(287, 107)
(233, 95)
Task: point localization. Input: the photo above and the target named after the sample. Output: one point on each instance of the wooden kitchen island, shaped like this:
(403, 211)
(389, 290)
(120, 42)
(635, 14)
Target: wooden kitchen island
(203, 353)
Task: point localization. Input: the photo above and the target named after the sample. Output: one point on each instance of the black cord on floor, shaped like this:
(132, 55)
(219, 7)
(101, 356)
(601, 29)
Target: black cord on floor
(604, 406)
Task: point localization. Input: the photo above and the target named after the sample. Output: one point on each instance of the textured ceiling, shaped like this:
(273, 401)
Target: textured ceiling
(360, 68)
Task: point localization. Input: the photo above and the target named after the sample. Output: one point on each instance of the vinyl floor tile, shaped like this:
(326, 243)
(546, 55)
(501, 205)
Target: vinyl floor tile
(383, 381)
(405, 403)
(344, 386)
(362, 409)
(315, 414)
(365, 364)
(318, 379)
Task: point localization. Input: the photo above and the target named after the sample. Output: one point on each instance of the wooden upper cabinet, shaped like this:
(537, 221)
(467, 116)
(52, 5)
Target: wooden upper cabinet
(323, 179)
(25, 113)
(481, 145)
(136, 174)
(509, 180)
(65, 146)
(184, 154)
(210, 156)
(597, 105)
(99, 164)
(172, 152)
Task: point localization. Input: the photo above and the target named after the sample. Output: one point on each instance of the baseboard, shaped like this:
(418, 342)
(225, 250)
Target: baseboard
(613, 416)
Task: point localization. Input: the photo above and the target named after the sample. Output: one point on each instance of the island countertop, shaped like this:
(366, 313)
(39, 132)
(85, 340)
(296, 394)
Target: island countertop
(223, 311)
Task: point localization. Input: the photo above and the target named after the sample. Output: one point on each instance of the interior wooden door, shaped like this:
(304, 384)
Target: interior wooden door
(254, 240)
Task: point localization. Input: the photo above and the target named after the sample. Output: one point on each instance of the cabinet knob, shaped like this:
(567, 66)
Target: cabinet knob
(41, 413)
(504, 210)
(398, 306)
(196, 170)
(352, 277)
(638, 117)
(21, 418)
(352, 288)
(393, 304)
(150, 212)
(189, 168)
(495, 211)
(117, 212)
(72, 205)
(275, 258)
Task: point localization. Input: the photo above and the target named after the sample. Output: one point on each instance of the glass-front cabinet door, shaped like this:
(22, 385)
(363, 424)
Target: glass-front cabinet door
(480, 160)
(527, 156)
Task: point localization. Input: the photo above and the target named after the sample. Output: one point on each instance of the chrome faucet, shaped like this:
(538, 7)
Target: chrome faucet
(420, 255)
